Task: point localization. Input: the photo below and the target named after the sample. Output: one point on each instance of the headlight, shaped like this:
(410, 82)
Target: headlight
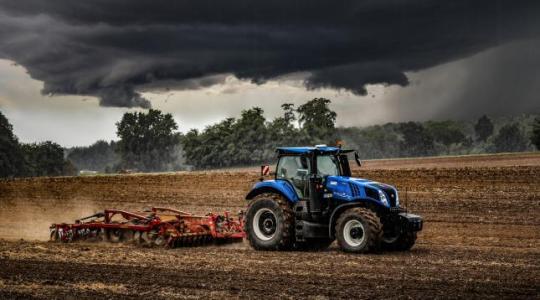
(397, 199)
(382, 196)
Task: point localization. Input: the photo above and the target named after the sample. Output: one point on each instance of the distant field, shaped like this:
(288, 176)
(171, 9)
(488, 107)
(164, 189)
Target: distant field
(481, 237)
(479, 160)
(484, 160)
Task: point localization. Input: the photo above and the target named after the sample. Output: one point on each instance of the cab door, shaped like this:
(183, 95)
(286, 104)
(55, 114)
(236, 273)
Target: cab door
(295, 170)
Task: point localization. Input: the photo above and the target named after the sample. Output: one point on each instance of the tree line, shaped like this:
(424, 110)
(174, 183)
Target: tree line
(29, 160)
(251, 139)
(150, 141)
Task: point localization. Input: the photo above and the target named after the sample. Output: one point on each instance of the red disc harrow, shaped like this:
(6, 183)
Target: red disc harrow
(159, 226)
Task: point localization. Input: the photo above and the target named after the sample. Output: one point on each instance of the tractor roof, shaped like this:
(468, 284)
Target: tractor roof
(306, 150)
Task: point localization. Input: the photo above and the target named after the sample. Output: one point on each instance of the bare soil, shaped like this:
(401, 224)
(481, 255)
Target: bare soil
(481, 238)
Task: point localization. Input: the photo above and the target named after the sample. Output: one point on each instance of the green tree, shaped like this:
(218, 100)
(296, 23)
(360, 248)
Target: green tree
(17, 160)
(97, 156)
(483, 128)
(317, 120)
(250, 132)
(445, 132)
(147, 140)
(377, 141)
(11, 159)
(288, 113)
(535, 138)
(217, 147)
(192, 143)
(281, 132)
(510, 138)
(416, 140)
(44, 159)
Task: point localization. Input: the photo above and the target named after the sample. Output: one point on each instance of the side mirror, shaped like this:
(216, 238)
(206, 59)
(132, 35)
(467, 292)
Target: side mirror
(357, 159)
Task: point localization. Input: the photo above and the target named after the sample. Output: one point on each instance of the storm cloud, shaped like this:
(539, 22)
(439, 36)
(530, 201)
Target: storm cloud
(115, 49)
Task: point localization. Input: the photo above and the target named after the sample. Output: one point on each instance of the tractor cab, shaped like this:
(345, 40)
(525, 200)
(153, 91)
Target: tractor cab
(298, 164)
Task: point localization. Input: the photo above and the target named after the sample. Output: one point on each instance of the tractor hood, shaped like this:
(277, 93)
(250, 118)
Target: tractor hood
(351, 189)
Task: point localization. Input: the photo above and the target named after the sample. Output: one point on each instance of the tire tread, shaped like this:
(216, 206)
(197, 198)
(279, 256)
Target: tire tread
(375, 229)
(287, 238)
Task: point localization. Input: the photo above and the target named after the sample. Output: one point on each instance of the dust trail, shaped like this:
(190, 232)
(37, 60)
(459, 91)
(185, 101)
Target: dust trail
(29, 219)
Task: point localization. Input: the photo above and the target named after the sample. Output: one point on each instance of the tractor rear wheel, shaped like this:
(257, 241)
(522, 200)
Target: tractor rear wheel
(270, 223)
(359, 230)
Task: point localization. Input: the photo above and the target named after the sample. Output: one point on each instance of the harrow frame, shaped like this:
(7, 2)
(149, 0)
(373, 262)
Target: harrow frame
(160, 226)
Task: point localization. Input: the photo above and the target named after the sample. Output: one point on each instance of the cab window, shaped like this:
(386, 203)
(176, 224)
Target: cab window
(294, 169)
(327, 165)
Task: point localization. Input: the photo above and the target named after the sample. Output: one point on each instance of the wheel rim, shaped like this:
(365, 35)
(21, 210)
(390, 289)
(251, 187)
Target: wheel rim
(354, 233)
(264, 224)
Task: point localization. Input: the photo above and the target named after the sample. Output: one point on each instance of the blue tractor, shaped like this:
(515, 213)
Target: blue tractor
(313, 200)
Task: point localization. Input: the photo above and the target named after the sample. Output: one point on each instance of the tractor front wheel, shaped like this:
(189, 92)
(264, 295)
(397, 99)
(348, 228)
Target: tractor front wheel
(359, 230)
(270, 223)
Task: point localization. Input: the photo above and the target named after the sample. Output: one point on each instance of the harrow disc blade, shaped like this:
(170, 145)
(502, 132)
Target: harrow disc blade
(128, 236)
(115, 235)
(160, 241)
(137, 238)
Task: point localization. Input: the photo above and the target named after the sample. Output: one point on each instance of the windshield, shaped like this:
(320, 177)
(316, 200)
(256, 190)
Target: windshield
(293, 167)
(327, 165)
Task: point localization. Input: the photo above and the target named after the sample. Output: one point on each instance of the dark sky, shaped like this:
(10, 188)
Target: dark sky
(448, 59)
(110, 49)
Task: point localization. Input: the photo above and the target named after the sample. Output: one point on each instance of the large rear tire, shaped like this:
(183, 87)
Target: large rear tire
(270, 223)
(359, 230)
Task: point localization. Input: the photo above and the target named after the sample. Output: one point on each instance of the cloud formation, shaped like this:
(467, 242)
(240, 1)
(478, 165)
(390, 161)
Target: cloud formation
(113, 49)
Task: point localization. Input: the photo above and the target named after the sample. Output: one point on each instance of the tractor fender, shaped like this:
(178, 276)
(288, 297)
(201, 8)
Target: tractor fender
(281, 187)
(342, 207)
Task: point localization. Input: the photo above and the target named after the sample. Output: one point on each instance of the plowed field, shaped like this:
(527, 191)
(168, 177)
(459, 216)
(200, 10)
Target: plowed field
(481, 238)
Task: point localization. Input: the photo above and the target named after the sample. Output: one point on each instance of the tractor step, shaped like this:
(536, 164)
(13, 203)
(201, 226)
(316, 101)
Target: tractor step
(310, 230)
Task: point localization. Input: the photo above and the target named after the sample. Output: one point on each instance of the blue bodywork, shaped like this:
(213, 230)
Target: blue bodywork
(282, 187)
(340, 188)
(345, 189)
(305, 150)
(350, 189)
